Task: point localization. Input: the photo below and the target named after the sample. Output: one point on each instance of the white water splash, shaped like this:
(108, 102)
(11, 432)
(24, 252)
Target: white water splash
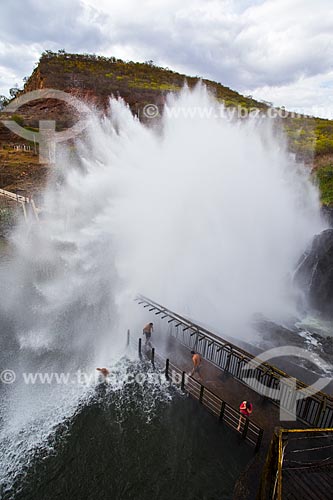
(206, 215)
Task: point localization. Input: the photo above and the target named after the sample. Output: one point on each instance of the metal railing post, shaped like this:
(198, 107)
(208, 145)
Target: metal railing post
(222, 410)
(167, 369)
(259, 440)
(128, 338)
(183, 380)
(269, 386)
(140, 347)
(246, 426)
(306, 409)
(320, 411)
(226, 369)
(202, 388)
(153, 356)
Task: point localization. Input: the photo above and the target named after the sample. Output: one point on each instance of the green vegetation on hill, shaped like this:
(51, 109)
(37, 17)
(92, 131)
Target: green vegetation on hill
(324, 136)
(106, 76)
(325, 180)
(96, 78)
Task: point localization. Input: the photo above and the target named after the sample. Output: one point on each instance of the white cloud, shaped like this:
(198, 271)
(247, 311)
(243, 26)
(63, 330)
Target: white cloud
(281, 48)
(270, 42)
(312, 95)
(16, 62)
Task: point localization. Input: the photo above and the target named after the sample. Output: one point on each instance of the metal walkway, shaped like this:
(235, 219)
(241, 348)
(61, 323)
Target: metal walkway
(225, 368)
(247, 429)
(23, 201)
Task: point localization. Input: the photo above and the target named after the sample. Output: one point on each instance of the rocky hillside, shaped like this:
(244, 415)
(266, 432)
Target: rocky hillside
(315, 274)
(95, 78)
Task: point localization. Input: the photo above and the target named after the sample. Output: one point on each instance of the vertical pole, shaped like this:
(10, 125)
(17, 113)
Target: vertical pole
(204, 348)
(153, 356)
(321, 409)
(167, 369)
(228, 360)
(260, 435)
(128, 338)
(140, 345)
(183, 380)
(222, 410)
(246, 426)
(279, 472)
(305, 412)
(202, 388)
(270, 383)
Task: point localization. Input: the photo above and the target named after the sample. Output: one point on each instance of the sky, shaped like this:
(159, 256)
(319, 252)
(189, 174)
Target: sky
(275, 50)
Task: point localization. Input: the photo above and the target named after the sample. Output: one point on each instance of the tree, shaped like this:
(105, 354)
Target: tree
(47, 54)
(14, 91)
(3, 101)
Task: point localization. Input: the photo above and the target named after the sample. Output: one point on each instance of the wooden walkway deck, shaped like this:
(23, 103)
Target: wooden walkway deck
(265, 414)
(222, 379)
(249, 375)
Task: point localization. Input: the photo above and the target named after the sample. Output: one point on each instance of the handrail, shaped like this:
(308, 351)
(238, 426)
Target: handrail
(13, 196)
(22, 200)
(315, 409)
(271, 484)
(226, 413)
(220, 408)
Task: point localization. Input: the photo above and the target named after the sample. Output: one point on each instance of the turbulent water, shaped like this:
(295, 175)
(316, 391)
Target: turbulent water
(130, 442)
(204, 214)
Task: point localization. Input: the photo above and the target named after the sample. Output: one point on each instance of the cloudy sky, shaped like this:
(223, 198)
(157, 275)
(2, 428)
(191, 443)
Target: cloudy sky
(277, 50)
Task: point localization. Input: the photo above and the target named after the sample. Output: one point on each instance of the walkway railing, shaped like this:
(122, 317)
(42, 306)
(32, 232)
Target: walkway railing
(21, 200)
(299, 464)
(315, 410)
(249, 431)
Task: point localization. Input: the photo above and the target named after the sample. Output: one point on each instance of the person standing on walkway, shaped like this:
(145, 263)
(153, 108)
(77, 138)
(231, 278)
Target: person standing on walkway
(147, 331)
(196, 360)
(245, 410)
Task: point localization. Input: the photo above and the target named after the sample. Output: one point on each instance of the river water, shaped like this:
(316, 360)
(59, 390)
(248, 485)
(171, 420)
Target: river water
(120, 441)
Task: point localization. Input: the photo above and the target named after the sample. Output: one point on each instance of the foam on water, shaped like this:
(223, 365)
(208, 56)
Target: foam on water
(31, 416)
(34, 413)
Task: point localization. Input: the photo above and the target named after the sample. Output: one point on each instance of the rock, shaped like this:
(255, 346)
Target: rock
(327, 343)
(314, 274)
(328, 214)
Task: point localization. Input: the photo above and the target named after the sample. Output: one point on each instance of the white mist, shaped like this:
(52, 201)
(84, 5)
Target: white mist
(205, 215)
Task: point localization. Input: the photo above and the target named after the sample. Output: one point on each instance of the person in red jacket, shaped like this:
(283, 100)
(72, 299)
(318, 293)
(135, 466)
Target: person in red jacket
(245, 410)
